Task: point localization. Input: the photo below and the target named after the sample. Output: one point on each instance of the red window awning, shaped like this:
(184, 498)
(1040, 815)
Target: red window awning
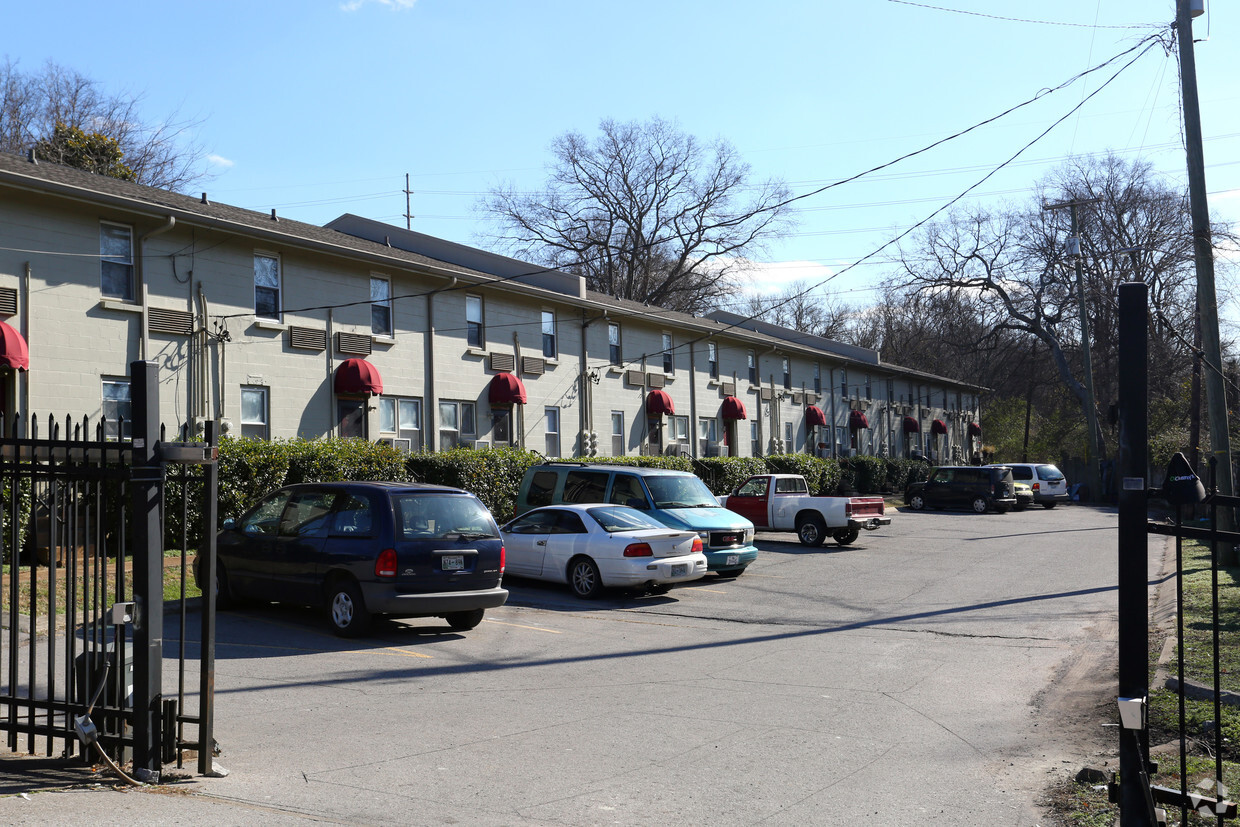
(857, 420)
(733, 408)
(13, 351)
(911, 426)
(658, 403)
(506, 389)
(814, 417)
(357, 376)
(975, 429)
(938, 427)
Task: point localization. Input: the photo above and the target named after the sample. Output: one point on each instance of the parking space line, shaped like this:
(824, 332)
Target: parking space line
(406, 652)
(699, 589)
(519, 626)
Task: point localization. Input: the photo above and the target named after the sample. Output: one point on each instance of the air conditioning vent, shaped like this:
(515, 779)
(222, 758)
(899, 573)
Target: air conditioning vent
(635, 378)
(533, 366)
(765, 394)
(656, 380)
(8, 301)
(353, 343)
(727, 388)
(176, 322)
(796, 398)
(502, 362)
(307, 338)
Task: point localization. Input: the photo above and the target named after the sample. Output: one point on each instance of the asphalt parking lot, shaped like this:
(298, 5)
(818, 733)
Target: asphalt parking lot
(939, 671)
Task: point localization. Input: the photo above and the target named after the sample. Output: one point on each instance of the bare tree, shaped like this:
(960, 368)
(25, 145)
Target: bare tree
(33, 106)
(799, 307)
(644, 212)
(1010, 267)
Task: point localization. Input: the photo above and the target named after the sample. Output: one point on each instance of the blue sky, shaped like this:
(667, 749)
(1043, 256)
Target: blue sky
(320, 107)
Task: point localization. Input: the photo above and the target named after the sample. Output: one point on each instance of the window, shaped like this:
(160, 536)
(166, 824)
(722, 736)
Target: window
(752, 361)
(712, 359)
(787, 373)
(668, 363)
(254, 413)
(266, 286)
(613, 343)
(116, 257)
(789, 445)
(867, 387)
(585, 487)
(626, 489)
(617, 434)
(380, 306)
(680, 428)
(708, 436)
(817, 378)
(474, 332)
(501, 426)
(401, 419)
(117, 409)
(548, 334)
(552, 415)
(542, 487)
(456, 421)
(755, 442)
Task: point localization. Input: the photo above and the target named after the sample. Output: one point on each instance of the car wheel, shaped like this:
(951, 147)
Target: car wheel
(584, 578)
(980, 505)
(464, 621)
(730, 572)
(844, 536)
(345, 609)
(917, 502)
(812, 531)
(1049, 506)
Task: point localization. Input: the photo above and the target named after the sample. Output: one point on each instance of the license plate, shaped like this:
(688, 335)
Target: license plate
(452, 562)
(680, 569)
(733, 559)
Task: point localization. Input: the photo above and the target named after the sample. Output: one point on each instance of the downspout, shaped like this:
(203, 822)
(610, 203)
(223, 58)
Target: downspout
(25, 380)
(586, 415)
(831, 437)
(693, 418)
(430, 435)
(140, 267)
(327, 367)
(518, 410)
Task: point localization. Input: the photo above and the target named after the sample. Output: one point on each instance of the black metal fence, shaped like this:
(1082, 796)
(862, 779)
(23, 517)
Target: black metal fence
(82, 534)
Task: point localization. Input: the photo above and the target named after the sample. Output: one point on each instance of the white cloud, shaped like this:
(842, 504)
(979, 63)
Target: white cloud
(220, 161)
(769, 278)
(395, 5)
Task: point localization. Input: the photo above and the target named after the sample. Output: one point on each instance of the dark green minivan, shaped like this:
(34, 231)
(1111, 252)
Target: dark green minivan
(964, 486)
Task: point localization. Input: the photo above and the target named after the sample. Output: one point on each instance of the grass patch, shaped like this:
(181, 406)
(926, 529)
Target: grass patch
(82, 597)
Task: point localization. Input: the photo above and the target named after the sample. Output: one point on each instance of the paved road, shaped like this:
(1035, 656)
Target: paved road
(933, 673)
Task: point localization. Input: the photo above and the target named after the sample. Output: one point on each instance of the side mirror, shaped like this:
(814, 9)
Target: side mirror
(231, 522)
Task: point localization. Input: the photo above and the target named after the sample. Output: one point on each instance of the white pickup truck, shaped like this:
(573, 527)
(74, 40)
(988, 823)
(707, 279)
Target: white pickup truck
(781, 502)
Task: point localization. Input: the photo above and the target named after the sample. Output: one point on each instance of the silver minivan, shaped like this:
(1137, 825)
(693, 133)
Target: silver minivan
(1048, 483)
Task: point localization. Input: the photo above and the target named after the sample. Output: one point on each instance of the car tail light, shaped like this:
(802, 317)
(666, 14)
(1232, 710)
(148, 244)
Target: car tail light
(503, 558)
(385, 566)
(697, 545)
(1036, 486)
(639, 550)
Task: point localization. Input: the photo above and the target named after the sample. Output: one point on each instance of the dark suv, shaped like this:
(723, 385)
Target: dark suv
(964, 486)
(361, 549)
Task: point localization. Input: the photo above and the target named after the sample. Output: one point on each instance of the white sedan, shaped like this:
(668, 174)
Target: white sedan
(590, 547)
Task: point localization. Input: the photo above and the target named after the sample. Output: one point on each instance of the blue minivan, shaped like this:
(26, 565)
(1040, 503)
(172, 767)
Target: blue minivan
(676, 499)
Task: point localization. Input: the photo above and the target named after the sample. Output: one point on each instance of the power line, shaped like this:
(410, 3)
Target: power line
(1016, 19)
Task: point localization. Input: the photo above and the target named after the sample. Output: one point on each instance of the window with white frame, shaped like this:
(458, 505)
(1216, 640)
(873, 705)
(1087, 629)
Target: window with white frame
(456, 423)
(267, 286)
(116, 261)
(789, 441)
(680, 428)
(400, 420)
(669, 364)
(755, 441)
(787, 366)
(817, 378)
(549, 347)
(618, 445)
(552, 417)
(751, 360)
(380, 306)
(475, 333)
(868, 394)
(712, 359)
(708, 436)
(255, 412)
(613, 343)
(117, 409)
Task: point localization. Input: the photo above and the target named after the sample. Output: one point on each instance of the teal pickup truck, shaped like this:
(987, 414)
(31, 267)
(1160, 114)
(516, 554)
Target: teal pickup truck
(675, 498)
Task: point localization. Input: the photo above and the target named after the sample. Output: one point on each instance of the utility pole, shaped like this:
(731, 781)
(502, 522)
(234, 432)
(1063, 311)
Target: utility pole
(408, 210)
(1207, 302)
(1091, 407)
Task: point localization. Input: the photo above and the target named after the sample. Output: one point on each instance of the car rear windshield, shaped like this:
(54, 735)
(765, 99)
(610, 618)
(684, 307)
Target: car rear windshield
(675, 491)
(438, 516)
(616, 518)
(1049, 473)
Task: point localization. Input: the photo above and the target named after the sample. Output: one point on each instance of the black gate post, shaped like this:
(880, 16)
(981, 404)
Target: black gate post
(1135, 806)
(148, 573)
(207, 568)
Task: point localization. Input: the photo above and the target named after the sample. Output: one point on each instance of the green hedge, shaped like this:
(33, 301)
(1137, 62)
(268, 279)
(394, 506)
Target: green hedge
(494, 474)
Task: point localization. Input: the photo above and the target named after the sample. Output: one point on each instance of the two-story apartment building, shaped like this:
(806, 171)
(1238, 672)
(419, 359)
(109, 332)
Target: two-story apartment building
(281, 329)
